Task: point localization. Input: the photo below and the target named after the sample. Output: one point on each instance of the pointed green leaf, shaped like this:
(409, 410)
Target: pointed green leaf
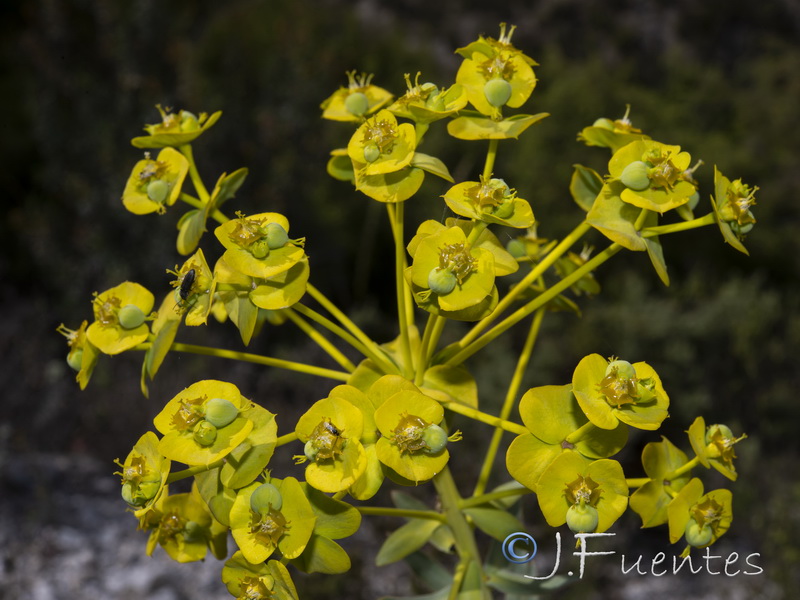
(584, 186)
(497, 523)
(322, 555)
(190, 229)
(614, 218)
(406, 539)
(432, 165)
(475, 126)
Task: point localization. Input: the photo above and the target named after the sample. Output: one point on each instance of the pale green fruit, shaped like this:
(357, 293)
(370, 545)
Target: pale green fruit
(204, 433)
(435, 439)
(276, 236)
(260, 248)
(582, 518)
(130, 316)
(371, 153)
(220, 412)
(634, 176)
(74, 360)
(158, 190)
(698, 536)
(264, 497)
(441, 281)
(623, 368)
(497, 91)
(357, 104)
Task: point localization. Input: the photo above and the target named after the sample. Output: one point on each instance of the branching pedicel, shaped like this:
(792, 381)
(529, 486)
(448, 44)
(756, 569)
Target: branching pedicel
(387, 416)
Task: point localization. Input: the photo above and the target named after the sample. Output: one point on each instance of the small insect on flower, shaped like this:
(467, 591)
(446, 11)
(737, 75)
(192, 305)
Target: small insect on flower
(183, 288)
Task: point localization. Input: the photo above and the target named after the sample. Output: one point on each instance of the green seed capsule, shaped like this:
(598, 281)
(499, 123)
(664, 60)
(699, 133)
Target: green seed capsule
(260, 248)
(497, 91)
(604, 123)
(582, 518)
(634, 176)
(158, 190)
(441, 281)
(311, 451)
(130, 316)
(276, 236)
(357, 104)
(193, 532)
(715, 429)
(435, 439)
(264, 497)
(623, 368)
(371, 153)
(220, 412)
(205, 433)
(74, 359)
(698, 536)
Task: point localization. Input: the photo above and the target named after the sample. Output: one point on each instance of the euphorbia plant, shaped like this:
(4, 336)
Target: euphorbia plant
(386, 419)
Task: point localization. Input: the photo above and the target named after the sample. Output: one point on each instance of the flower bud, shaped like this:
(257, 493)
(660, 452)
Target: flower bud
(497, 91)
(74, 359)
(441, 281)
(264, 497)
(205, 433)
(357, 104)
(371, 153)
(698, 536)
(435, 439)
(582, 518)
(259, 248)
(158, 190)
(276, 236)
(634, 176)
(130, 316)
(220, 412)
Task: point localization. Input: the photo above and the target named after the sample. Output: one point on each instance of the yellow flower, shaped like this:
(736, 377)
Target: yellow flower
(175, 129)
(120, 314)
(155, 184)
(381, 145)
(354, 102)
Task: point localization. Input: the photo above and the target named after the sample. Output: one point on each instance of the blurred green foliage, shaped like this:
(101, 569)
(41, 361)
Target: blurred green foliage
(80, 78)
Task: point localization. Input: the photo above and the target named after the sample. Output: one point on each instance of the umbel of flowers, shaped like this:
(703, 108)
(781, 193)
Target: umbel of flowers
(219, 462)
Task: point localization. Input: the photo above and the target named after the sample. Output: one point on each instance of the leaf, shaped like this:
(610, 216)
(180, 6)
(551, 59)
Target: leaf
(391, 187)
(475, 126)
(615, 219)
(226, 188)
(432, 165)
(190, 229)
(448, 383)
(584, 186)
(322, 555)
(341, 167)
(406, 539)
(494, 522)
(248, 459)
(284, 289)
(432, 573)
(335, 519)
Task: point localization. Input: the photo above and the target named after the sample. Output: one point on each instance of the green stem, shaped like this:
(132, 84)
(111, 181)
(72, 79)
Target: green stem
(377, 358)
(286, 439)
(534, 304)
(323, 343)
(475, 414)
(192, 471)
(349, 325)
(681, 470)
(199, 187)
(637, 482)
(508, 404)
(481, 499)
(257, 359)
(683, 226)
(535, 274)
(192, 201)
(577, 435)
(401, 285)
(458, 579)
(422, 363)
(401, 512)
(491, 154)
(462, 532)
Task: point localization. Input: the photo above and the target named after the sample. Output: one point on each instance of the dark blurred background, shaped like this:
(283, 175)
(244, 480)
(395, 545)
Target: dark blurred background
(81, 77)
